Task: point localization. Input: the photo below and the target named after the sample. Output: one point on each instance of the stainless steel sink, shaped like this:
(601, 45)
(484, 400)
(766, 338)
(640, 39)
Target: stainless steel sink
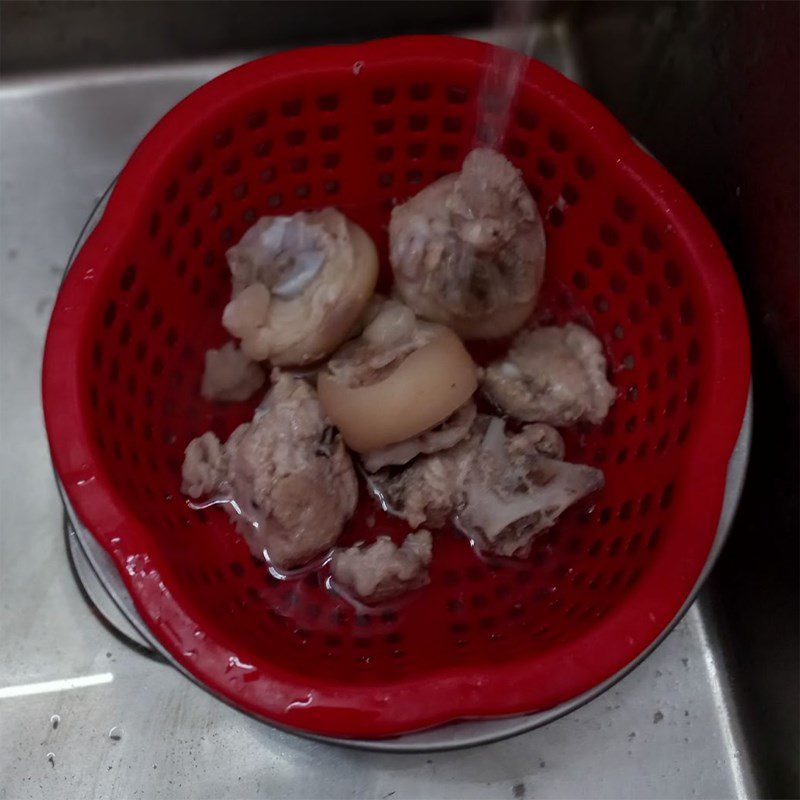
(85, 713)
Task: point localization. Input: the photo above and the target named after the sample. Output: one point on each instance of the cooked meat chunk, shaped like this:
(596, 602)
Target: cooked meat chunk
(554, 374)
(441, 437)
(391, 333)
(428, 489)
(512, 492)
(230, 375)
(300, 284)
(287, 475)
(399, 379)
(205, 466)
(469, 250)
(382, 570)
(500, 490)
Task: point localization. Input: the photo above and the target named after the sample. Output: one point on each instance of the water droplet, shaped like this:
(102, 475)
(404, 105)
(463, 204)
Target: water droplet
(55, 720)
(282, 574)
(357, 67)
(115, 733)
(51, 757)
(302, 702)
(233, 661)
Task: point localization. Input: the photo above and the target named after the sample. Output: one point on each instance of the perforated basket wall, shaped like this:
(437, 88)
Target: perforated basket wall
(362, 128)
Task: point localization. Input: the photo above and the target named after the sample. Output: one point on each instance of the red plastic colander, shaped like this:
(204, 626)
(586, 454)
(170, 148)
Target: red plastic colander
(364, 127)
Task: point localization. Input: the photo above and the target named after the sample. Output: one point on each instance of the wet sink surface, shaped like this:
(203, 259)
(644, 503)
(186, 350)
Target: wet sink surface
(140, 729)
